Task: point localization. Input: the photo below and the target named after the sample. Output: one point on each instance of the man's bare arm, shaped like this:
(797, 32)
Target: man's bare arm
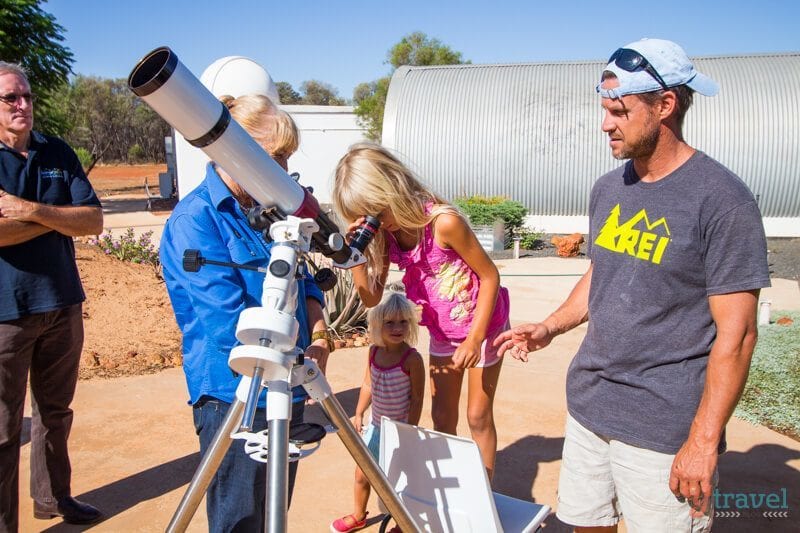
(15, 232)
(728, 366)
(72, 221)
(521, 340)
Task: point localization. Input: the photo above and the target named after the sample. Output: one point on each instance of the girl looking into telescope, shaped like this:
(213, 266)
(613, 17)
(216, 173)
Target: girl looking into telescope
(446, 272)
(207, 305)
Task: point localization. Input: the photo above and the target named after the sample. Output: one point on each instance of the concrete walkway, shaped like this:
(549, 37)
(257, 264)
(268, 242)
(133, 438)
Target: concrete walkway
(134, 450)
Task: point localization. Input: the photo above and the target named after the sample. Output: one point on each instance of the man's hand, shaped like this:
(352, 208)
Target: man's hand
(523, 339)
(692, 476)
(16, 208)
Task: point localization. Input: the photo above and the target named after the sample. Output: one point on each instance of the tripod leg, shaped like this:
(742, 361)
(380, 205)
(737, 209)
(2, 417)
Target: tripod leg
(361, 455)
(319, 389)
(205, 472)
(279, 412)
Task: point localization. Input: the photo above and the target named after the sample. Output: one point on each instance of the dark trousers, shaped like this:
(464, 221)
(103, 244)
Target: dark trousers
(49, 346)
(235, 499)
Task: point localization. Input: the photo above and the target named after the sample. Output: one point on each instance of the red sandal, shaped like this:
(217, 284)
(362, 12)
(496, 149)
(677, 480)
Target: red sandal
(341, 525)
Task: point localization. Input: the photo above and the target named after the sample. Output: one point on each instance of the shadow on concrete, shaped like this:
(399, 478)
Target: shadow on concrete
(121, 495)
(517, 464)
(315, 415)
(117, 497)
(745, 477)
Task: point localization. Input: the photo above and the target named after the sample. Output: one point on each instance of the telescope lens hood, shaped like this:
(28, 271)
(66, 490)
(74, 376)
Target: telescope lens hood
(152, 71)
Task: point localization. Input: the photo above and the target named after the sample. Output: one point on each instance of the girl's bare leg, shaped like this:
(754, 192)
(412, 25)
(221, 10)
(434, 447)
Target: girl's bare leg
(481, 388)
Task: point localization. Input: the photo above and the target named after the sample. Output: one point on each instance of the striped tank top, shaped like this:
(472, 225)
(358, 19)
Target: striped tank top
(391, 389)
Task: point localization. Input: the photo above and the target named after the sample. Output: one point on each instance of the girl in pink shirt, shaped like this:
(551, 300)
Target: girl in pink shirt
(394, 384)
(447, 273)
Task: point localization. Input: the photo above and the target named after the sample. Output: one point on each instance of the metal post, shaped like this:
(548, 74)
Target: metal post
(764, 312)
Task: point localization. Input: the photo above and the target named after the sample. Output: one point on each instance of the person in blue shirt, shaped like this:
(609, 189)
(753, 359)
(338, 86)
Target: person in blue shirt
(45, 201)
(212, 219)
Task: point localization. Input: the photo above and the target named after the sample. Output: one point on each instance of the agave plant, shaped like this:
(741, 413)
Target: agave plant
(344, 311)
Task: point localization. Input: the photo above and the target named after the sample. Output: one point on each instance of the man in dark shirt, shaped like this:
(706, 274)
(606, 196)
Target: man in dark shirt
(45, 201)
(678, 259)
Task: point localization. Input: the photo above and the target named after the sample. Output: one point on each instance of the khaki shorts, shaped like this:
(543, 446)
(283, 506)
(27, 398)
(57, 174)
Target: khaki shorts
(603, 480)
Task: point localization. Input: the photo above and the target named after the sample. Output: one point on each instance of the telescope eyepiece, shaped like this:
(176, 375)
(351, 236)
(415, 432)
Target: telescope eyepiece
(365, 232)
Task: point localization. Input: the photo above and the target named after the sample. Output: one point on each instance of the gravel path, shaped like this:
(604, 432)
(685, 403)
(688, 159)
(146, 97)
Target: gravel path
(783, 256)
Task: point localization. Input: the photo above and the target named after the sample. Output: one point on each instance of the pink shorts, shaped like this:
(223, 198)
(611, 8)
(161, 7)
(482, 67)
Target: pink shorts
(489, 357)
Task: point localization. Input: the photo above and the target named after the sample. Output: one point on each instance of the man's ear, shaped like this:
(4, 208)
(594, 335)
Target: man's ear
(668, 105)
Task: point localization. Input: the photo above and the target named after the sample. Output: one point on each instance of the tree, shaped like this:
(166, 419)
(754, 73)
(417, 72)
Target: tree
(370, 100)
(419, 50)
(111, 123)
(319, 93)
(416, 49)
(287, 94)
(31, 37)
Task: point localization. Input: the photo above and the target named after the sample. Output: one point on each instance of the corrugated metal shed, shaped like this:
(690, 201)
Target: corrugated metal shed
(532, 131)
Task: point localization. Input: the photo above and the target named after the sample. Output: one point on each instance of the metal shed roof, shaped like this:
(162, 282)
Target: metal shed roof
(531, 131)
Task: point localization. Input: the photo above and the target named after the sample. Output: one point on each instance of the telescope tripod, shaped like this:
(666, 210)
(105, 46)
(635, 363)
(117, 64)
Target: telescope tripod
(268, 358)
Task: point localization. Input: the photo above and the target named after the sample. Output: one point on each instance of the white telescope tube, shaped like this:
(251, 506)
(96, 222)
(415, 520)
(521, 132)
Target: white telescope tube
(173, 92)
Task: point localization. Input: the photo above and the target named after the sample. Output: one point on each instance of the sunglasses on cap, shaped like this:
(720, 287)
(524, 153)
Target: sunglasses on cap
(631, 61)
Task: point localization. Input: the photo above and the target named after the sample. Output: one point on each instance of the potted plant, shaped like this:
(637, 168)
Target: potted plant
(493, 219)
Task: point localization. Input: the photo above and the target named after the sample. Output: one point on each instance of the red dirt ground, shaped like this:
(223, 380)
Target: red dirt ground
(130, 328)
(116, 179)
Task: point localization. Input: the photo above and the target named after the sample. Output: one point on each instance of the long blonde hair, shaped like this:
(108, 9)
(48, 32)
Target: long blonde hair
(270, 126)
(370, 180)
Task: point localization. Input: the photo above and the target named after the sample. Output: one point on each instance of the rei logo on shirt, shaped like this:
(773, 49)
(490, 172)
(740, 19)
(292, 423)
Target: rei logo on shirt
(637, 237)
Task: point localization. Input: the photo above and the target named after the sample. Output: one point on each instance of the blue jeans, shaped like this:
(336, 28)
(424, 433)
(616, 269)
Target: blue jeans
(236, 496)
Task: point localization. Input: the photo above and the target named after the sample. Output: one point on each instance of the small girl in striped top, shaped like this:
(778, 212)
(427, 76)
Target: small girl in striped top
(394, 383)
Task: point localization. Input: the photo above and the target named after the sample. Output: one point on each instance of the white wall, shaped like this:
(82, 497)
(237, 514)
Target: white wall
(326, 132)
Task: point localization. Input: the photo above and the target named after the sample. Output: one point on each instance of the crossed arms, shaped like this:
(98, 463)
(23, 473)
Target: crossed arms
(22, 220)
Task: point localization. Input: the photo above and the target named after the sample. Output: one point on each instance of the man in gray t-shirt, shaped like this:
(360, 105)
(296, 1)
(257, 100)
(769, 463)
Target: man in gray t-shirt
(678, 258)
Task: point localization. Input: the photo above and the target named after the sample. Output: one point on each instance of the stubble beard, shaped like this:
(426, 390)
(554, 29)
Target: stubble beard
(645, 145)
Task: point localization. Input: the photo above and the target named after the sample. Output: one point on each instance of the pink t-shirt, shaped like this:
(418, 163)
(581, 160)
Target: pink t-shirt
(444, 285)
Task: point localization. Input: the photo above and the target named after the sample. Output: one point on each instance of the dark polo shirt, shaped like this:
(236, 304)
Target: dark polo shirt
(41, 275)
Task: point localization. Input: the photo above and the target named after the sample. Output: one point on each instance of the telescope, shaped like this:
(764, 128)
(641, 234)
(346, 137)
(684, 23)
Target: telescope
(288, 215)
(166, 85)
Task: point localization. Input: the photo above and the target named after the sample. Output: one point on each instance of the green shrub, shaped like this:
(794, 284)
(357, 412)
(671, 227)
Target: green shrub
(772, 394)
(128, 247)
(135, 154)
(84, 156)
(530, 239)
(483, 211)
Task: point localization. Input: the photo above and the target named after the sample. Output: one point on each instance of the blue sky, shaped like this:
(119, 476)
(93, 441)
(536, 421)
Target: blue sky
(345, 42)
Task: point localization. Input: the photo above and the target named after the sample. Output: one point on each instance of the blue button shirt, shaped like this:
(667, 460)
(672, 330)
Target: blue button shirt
(207, 303)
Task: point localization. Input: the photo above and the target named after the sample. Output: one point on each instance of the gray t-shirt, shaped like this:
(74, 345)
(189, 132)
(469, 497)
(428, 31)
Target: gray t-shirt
(659, 250)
